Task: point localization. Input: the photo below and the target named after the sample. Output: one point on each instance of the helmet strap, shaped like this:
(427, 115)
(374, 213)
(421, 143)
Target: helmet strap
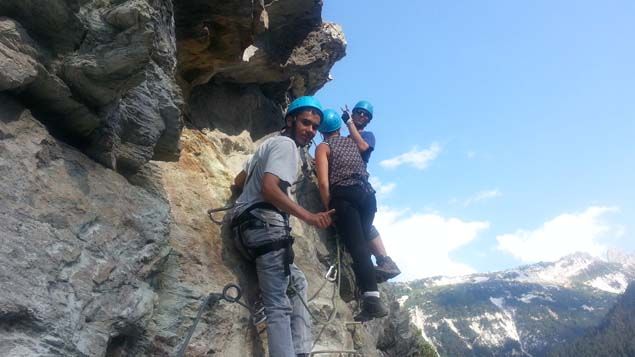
(290, 131)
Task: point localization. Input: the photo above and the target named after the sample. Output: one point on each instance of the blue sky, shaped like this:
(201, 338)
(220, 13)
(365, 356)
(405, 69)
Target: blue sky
(505, 129)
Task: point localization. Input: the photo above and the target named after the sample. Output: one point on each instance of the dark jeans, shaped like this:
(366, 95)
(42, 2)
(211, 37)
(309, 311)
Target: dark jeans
(354, 213)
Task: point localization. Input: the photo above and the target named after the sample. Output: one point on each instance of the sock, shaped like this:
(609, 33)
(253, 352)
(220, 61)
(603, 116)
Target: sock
(371, 293)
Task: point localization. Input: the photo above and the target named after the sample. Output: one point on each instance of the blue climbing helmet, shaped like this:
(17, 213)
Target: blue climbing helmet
(365, 105)
(330, 122)
(304, 102)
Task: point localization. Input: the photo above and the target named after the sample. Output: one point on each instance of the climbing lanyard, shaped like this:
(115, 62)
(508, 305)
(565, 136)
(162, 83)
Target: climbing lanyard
(211, 211)
(332, 275)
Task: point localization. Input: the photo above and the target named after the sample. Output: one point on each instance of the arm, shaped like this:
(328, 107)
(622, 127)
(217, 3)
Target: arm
(239, 180)
(322, 161)
(239, 183)
(356, 136)
(272, 193)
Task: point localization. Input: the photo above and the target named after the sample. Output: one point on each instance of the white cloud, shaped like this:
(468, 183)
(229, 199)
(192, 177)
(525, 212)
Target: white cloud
(481, 196)
(565, 234)
(421, 243)
(419, 159)
(381, 188)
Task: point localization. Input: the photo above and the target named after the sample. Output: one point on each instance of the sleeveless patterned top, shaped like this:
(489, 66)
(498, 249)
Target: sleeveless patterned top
(346, 167)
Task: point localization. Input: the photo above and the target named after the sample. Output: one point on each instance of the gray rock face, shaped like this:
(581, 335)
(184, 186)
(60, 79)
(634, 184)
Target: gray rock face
(17, 60)
(144, 125)
(82, 64)
(269, 52)
(232, 108)
(80, 246)
(55, 22)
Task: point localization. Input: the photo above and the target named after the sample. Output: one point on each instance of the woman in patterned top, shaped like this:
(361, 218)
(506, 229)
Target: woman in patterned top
(343, 184)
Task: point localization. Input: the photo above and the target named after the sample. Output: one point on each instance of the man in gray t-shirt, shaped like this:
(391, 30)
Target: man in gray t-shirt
(261, 223)
(278, 156)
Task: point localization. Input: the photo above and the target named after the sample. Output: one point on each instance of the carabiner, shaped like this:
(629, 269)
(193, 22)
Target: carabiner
(331, 274)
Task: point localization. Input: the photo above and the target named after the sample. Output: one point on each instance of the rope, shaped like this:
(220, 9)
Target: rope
(336, 288)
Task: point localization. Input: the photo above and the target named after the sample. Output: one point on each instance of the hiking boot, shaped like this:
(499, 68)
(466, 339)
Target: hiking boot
(372, 308)
(386, 269)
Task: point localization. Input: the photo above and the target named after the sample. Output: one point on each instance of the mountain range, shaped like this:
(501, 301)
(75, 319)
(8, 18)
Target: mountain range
(527, 311)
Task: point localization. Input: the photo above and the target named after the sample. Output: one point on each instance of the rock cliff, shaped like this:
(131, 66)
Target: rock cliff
(121, 124)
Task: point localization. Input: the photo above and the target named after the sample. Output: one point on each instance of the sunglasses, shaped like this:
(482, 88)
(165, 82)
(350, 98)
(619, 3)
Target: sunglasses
(361, 112)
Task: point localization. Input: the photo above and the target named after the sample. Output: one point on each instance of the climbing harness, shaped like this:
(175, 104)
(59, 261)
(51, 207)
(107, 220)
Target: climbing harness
(246, 220)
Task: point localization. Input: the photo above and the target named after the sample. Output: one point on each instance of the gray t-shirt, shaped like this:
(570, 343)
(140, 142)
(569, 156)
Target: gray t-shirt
(278, 156)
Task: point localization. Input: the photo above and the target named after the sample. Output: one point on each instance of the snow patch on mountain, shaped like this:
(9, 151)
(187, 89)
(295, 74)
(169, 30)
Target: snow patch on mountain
(497, 301)
(450, 324)
(506, 318)
(613, 283)
(455, 280)
(402, 300)
(557, 273)
(479, 279)
(493, 329)
(553, 314)
(506, 323)
(527, 298)
(418, 318)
